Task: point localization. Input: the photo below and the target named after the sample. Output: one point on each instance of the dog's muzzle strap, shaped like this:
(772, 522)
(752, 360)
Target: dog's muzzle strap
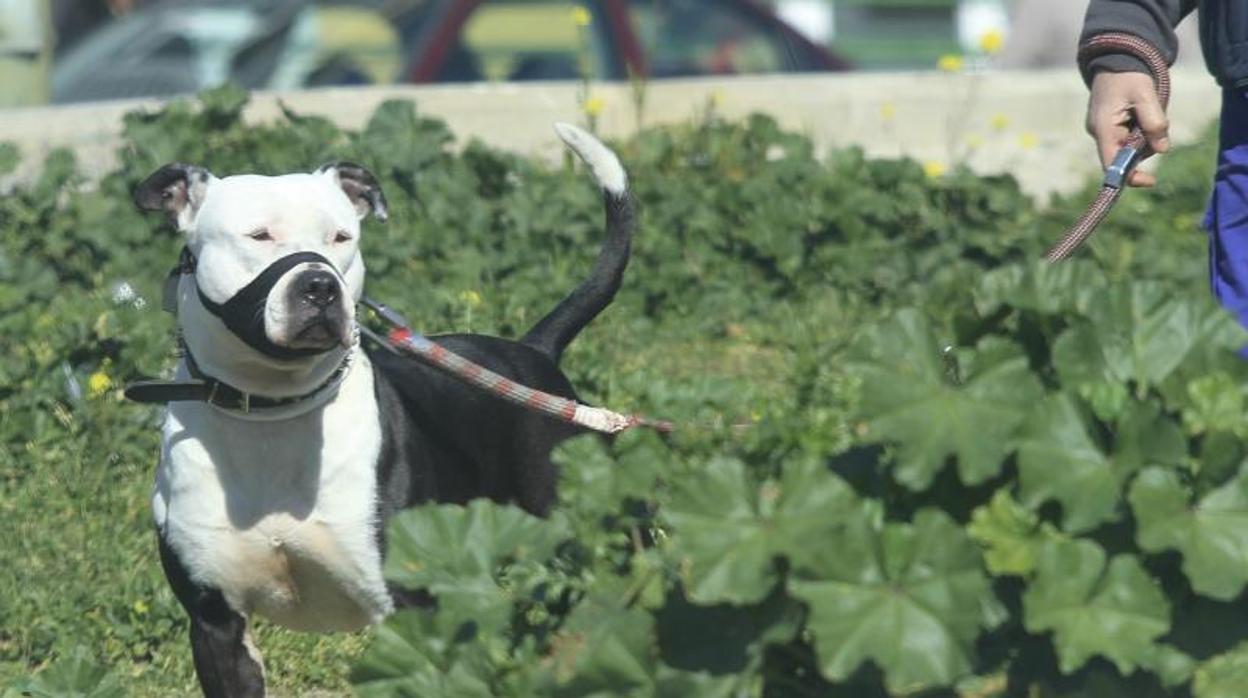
(243, 313)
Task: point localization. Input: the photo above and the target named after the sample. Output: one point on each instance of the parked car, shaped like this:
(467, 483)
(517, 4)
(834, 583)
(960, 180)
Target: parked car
(178, 47)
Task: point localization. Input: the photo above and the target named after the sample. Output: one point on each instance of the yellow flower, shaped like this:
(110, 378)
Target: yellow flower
(933, 168)
(594, 105)
(470, 298)
(717, 98)
(1028, 140)
(581, 16)
(140, 607)
(1000, 122)
(975, 140)
(950, 63)
(887, 111)
(98, 383)
(991, 42)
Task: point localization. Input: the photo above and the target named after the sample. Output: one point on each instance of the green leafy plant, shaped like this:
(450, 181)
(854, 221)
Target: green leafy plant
(911, 461)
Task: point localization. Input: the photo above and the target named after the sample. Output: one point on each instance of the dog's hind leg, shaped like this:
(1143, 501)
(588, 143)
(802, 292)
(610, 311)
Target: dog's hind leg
(226, 661)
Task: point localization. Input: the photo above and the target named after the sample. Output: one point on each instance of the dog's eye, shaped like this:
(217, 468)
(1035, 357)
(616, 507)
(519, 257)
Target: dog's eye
(262, 235)
(342, 236)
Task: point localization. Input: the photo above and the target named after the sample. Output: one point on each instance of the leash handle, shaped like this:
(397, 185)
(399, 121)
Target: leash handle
(1134, 151)
(1124, 162)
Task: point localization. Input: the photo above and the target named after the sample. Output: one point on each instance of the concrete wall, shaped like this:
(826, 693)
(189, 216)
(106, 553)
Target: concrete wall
(1026, 123)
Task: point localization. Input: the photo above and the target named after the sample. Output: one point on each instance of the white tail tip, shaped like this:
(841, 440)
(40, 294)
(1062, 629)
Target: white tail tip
(601, 160)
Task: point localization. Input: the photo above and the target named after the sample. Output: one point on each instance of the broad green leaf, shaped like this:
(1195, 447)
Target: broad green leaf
(673, 683)
(911, 598)
(1211, 534)
(1223, 676)
(1216, 403)
(723, 639)
(446, 543)
(410, 657)
(604, 649)
(1041, 287)
(1058, 460)
(1010, 534)
(730, 530)
(1220, 458)
(1115, 611)
(1096, 681)
(454, 552)
(600, 475)
(910, 400)
(1140, 332)
(75, 675)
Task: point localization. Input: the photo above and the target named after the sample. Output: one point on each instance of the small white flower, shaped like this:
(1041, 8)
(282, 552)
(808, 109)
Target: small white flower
(123, 292)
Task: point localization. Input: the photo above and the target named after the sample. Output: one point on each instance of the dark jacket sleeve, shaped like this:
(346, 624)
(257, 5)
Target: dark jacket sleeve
(1151, 20)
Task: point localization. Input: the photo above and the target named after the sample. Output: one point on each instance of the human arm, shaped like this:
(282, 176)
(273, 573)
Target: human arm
(1122, 92)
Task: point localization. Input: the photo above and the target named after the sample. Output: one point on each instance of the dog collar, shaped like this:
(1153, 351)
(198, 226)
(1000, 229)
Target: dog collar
(216, 392)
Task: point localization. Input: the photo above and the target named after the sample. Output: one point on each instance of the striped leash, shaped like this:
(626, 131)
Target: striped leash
(404, 340)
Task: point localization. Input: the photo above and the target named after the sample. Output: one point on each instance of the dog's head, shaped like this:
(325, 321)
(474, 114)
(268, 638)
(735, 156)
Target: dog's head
(277, 258)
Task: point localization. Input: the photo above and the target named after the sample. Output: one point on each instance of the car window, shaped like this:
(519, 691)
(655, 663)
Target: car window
(330, 44)
(706, 37)
(528, 40)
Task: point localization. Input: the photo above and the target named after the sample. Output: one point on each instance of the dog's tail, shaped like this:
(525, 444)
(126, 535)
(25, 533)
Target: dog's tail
(552, 334)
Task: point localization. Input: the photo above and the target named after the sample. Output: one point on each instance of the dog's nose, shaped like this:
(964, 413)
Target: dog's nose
(319, 288)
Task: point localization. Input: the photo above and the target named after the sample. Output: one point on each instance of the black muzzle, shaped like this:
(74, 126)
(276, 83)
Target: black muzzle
(243, 313)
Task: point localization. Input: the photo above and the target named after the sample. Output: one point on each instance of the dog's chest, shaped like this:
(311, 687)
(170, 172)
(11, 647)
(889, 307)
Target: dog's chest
(279, 516)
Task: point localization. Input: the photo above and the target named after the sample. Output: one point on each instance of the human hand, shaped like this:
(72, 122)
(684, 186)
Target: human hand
(1117, 102)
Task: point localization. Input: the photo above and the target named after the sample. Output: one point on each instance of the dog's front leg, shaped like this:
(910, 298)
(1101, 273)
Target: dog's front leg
(226, 662)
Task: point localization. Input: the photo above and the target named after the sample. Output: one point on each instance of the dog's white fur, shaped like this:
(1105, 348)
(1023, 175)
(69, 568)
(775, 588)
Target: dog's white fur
(604, 163)
(279, 513)
(301, 212)
(276, 513)
(280, 516)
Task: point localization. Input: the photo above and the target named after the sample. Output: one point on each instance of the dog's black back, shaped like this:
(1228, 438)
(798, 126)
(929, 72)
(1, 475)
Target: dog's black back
(447, 441)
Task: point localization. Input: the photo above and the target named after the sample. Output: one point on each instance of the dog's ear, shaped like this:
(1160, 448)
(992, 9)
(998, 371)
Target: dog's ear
(360, 186)
(176, 189)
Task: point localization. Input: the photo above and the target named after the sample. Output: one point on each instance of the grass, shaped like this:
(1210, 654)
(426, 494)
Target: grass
(80, 569)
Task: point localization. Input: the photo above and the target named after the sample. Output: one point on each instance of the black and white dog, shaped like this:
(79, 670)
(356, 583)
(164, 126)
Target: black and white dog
(286, 445)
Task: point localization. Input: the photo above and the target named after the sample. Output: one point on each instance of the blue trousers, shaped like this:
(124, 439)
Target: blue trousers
(1227, 218)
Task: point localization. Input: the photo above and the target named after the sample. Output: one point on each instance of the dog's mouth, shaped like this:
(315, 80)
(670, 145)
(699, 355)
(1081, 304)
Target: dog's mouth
(322, 332)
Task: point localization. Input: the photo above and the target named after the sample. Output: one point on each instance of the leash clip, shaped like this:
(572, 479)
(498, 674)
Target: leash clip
(1124, 162)
(390, 315)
